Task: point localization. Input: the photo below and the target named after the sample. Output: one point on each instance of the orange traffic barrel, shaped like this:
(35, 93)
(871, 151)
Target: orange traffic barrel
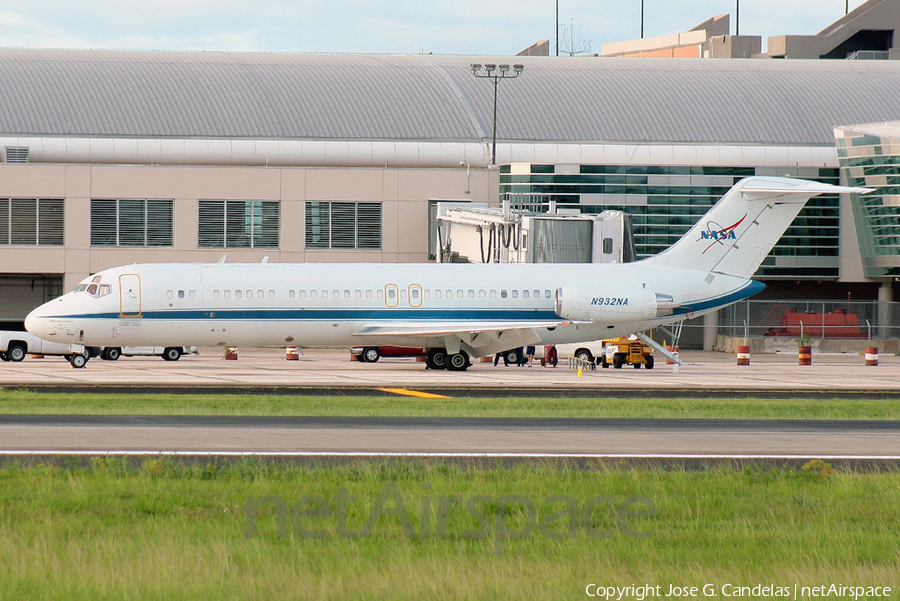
(871, 355)
(291, 353)
(743, 355)
(805, 355)
(674, 351)
(231, 353)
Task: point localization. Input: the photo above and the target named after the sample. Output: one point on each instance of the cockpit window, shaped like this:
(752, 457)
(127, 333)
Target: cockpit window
(92, 289)
(81, 287)
(96, 278)
(105, 289)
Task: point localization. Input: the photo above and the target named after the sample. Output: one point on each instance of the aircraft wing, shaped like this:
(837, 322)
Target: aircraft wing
(453, 328)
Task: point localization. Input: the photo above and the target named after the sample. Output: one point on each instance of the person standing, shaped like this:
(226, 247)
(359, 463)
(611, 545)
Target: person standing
(530, 352)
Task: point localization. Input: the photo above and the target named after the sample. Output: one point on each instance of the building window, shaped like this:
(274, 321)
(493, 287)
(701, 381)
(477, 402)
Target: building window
(239, 224)
(351, 225)
(131, 222)
(31, 221)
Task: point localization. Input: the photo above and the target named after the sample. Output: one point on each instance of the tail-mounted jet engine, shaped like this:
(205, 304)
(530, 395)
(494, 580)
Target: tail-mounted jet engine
(613, 304)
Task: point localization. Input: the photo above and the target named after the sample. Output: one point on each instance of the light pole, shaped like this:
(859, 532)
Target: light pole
(495, 73)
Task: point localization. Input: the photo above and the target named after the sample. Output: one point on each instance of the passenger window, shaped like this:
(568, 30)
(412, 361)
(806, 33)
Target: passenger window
(324, 294)
(427, 294)
(414, 294)
(181, 294)
(503, 294)
(471, 293)
(380, 294)
(515, 294)
(481, 294)
(228, 294)
(192, 294)
(170, 294)
(260, 294)
(335, 294)
(368, 294)
(547, 294)
(313, 294)
(537, 294)
(249, 294)
(437, 293)
(301, 293)
(403, 294)
(238, 294)
(493, 294)
(357, 294)
(459, 293)
(449, 293)
(346, 294)
(392, 294)
(271, 294)
(290, 294)
(525, 294)
(215, 294)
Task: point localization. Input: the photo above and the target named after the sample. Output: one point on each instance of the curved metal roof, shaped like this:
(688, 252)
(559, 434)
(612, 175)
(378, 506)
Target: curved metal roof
(163, 94)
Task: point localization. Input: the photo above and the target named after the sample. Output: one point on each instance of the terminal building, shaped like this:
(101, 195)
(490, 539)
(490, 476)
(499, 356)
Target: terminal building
(114, 157)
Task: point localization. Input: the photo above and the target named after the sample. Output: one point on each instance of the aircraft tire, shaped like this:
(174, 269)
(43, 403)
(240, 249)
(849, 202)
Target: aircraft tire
(458, 362)
(172, 353)
(436, 358)
(78, 360)
(111, 354)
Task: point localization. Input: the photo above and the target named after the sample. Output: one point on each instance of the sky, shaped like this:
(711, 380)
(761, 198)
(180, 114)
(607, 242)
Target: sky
(480, 27)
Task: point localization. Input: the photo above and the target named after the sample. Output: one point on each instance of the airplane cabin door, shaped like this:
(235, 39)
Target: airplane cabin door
(129, 295)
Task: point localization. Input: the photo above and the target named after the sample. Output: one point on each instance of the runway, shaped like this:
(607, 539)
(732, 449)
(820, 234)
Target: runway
(447, 437)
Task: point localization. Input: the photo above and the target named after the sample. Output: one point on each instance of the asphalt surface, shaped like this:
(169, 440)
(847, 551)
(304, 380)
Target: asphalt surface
(41, 434)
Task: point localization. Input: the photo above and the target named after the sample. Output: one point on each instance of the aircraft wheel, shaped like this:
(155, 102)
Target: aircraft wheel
(172, 353)
(112, 353)
(650, 361)
(371, 354)
(78, 360)
(436, 358)
(458, 362)
(16, 352)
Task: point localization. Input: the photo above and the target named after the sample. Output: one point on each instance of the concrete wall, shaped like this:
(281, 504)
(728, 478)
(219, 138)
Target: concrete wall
(403, 192)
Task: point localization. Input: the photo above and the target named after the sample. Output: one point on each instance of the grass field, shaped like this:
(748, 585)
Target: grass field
(203, 404)
(112, 529)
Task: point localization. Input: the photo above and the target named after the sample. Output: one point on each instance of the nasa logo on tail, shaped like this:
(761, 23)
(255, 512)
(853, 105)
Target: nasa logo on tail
(717, 233)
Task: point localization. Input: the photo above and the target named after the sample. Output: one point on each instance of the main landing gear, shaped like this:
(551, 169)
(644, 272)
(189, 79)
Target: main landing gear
(437, 358)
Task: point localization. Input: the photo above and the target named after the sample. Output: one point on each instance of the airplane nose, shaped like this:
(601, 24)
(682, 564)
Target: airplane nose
(36, 323)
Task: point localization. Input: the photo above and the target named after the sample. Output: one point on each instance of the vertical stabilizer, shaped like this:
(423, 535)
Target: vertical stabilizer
(736, 235)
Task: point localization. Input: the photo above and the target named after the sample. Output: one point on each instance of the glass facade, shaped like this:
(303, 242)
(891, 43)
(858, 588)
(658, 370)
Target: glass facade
(872, 160)
(665, 201)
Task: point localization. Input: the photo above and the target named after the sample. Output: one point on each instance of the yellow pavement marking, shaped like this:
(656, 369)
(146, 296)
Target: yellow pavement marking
(416, 393)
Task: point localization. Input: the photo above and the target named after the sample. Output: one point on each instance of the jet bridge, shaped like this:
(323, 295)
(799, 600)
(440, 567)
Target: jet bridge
(502, 235)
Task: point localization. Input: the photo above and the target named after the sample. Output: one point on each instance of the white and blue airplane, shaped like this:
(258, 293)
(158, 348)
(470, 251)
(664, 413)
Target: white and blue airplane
(456, 311)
